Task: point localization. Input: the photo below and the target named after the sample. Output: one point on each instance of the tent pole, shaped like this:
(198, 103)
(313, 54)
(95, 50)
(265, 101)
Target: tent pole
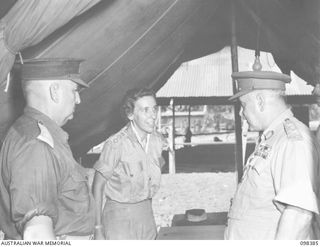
(234, 59)
(159, 118)
(189, 117)
(172, 162)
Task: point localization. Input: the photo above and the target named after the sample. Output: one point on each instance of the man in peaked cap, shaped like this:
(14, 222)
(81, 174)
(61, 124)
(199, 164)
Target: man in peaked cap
(44, 192)
(278, 195)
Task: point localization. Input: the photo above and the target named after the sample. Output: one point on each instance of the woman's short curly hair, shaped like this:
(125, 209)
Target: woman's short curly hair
(130, 99)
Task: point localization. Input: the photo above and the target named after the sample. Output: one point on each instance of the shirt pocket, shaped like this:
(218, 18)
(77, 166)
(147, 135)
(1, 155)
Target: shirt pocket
(259, 165)
(131, 164)
(134, 171)
(75, 192)
(138, 183)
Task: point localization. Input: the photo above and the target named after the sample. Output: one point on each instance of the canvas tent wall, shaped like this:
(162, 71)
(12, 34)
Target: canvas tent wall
(128, 44)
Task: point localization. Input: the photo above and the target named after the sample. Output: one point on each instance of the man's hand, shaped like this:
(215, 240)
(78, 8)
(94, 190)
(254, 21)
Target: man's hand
(295, 223)
(98, 234)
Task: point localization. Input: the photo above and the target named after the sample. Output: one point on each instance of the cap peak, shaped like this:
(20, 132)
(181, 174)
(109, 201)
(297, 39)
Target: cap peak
(52, 68)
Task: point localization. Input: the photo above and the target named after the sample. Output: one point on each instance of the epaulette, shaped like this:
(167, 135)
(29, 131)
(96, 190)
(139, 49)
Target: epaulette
(115, 139)
(45, 135)
(159, 134)
(27, 127)
(163, 139)
(291, 130)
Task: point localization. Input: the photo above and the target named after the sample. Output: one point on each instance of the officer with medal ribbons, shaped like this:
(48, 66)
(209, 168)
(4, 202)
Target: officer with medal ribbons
(278, 196)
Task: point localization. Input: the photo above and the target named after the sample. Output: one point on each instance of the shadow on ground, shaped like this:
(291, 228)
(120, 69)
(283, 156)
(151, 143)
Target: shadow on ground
(208, 158)
(213, 158)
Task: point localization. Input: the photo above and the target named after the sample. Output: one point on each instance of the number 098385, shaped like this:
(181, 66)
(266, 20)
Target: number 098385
(309, 242)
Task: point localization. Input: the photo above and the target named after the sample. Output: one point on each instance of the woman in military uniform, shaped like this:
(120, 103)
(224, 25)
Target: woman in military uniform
(128, 173)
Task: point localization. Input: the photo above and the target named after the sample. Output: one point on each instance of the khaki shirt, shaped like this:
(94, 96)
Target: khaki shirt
(283, 170)
(39, 176)
(132, 174)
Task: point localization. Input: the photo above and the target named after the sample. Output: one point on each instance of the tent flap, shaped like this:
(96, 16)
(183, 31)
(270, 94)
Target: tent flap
(127, 44)
(28, 22)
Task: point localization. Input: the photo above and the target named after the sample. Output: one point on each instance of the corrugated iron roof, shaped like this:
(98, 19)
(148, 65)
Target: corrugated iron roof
(197, 81)
(210, 76)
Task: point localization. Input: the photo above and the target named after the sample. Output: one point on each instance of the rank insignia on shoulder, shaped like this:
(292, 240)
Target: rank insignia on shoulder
(262, 151)
(115, 139)
(291, 130)
(268, 135)
(111, 143)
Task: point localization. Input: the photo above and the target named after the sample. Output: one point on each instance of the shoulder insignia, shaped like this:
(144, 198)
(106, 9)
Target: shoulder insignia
(116, 138)
(291, 130)
(269, 134)
(45, 135)
(161, 134)
(263, 150)
(163, 140)
(27, 127)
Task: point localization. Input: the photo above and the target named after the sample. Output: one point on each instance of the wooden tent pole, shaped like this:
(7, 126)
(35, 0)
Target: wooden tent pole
(159, 118)
(234, 59)
(172, 162)
(189, 117)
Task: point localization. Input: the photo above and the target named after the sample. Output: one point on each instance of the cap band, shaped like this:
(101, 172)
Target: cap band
(249, 81)
(254, 84)
(43, 71)
(51, 69)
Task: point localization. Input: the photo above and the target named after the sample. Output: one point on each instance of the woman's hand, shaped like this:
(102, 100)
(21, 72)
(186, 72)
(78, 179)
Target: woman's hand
(98, 234)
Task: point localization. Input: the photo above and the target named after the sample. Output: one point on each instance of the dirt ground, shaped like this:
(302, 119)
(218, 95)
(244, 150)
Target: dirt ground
(179, 192)
(183, 191)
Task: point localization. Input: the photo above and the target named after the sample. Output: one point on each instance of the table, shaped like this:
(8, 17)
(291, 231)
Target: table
(200, 232)
(217, 218)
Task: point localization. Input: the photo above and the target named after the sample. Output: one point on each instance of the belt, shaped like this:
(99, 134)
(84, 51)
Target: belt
(128, 203)
(69, 237)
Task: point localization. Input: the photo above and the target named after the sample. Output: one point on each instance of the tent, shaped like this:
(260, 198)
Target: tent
(135, 43)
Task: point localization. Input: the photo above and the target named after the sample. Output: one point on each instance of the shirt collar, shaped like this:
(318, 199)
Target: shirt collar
(144, 146)
(55, 130)
(267, 133)
(132, 135)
